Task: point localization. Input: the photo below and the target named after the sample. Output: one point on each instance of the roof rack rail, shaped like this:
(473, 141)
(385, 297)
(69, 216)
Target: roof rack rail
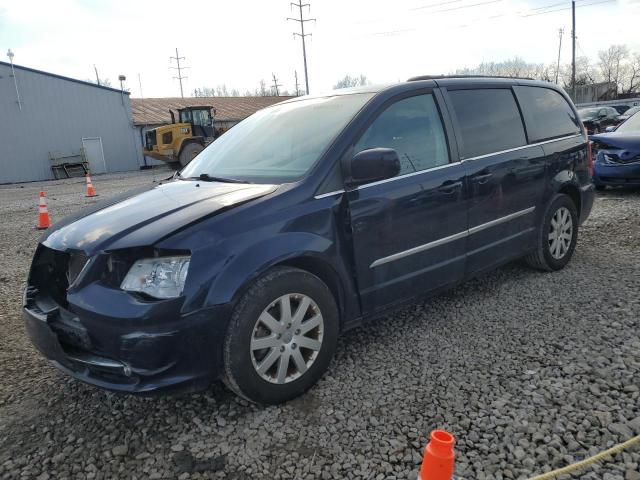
(436, 77)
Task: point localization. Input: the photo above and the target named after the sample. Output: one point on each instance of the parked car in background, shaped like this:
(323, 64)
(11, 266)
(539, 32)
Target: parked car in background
(309, 218)
(617, 155)
(628, 113)
(621, 108)
(597, 119)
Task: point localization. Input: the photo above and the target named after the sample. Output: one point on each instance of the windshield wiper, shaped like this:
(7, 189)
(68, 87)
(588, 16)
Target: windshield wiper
(205, 177)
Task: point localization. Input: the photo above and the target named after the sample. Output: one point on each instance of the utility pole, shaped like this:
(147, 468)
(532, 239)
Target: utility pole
(276, 85)
(177, 58)
(295, 73)
(573, 50)
(97, 76)
(560, 32)
(302, 35)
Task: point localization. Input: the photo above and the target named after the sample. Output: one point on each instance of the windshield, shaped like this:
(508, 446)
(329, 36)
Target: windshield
(631, 125)
(588, 112)
(278, 144)
(185, 116)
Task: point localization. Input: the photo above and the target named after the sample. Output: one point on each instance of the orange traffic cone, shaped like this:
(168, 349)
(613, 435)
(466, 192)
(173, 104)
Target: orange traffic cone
(437, 463)
(44, 221)
(91, 192)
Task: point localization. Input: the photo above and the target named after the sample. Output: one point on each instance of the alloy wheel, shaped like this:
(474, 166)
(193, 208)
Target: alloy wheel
(560, 233)
(286, 338)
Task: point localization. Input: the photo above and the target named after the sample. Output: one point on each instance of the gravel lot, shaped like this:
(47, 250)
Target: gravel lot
(529, 370)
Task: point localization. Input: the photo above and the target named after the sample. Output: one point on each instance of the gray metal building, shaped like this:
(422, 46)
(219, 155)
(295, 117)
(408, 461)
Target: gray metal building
(50, 119)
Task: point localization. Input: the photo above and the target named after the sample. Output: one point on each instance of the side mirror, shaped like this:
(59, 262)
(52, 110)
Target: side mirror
(610, 129)
(372, 165)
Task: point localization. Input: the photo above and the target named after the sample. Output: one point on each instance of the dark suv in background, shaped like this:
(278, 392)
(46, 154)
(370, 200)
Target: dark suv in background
(310, 217)
(597, 119)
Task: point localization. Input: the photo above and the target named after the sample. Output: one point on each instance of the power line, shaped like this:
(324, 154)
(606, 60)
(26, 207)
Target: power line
(463, 7)
(569, 8)
(177, 58)
(519, 14)
(302, 35)
(435, 5)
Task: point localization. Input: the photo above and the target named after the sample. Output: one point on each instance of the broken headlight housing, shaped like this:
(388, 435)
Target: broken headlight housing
(160, 277)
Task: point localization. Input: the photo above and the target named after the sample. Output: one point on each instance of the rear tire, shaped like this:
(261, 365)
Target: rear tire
(557, 235)
(281, 337)
(189, 152)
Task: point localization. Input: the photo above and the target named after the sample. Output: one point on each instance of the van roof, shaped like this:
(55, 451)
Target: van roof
(437, 77)
(431, 80)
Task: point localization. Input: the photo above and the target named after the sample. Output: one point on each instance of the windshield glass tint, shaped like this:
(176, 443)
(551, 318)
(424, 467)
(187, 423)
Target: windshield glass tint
(631, 125)
(278, 144)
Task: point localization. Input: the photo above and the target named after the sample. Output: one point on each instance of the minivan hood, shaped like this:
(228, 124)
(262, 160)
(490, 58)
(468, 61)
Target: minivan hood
(141, 219)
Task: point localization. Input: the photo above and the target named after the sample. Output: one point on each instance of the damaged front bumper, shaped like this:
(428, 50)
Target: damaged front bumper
(112, 339)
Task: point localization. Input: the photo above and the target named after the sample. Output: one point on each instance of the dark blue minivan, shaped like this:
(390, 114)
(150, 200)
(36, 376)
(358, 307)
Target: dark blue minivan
(308, 218)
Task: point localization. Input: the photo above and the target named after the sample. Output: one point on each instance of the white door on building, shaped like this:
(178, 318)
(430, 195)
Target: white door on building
(94, 154)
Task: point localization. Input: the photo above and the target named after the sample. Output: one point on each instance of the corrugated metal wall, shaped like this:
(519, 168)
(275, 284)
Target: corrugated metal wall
(56, 114)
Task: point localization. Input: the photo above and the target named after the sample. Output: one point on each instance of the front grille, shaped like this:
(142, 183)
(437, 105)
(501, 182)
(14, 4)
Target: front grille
(613, 158)
(53, 271)
(49, 274)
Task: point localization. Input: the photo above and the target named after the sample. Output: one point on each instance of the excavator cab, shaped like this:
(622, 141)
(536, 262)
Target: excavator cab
(183, 140)
(200, 118)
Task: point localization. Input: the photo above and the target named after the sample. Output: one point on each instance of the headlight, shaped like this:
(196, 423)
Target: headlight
(161, 277)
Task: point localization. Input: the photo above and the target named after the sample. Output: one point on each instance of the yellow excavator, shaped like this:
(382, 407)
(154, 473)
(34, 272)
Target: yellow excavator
(180, 142)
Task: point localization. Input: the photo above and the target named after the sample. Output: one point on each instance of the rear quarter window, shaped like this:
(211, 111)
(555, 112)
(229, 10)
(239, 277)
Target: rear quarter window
(489, 120)
(546, 113)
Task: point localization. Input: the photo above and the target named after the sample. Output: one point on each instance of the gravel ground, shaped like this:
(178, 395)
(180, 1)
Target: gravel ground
(530, 371)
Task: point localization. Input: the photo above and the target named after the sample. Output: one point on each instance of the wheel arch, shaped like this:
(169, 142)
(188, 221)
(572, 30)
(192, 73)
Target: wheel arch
(312, 253)
(573, 192)
(186, 141)
(324, 271)
(309, 262)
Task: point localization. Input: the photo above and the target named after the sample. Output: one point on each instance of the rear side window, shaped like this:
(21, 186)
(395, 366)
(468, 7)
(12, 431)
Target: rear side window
(546, 113)
(489, 120)
(412, 127)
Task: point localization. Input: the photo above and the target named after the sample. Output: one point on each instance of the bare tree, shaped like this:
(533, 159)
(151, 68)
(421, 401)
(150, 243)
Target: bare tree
(631, 82)
(219, 91)
(514, 67)
(262, 91)
(349, 81)
(611, 63)
(586, 73)
(204, 92)
(105, 82)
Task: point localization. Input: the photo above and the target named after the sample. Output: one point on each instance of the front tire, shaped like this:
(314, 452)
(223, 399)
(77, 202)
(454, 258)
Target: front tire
(557, 235)
(281, 338)
(189, 152)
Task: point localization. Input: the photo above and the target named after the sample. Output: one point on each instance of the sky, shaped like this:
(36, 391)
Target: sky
(240, 43)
